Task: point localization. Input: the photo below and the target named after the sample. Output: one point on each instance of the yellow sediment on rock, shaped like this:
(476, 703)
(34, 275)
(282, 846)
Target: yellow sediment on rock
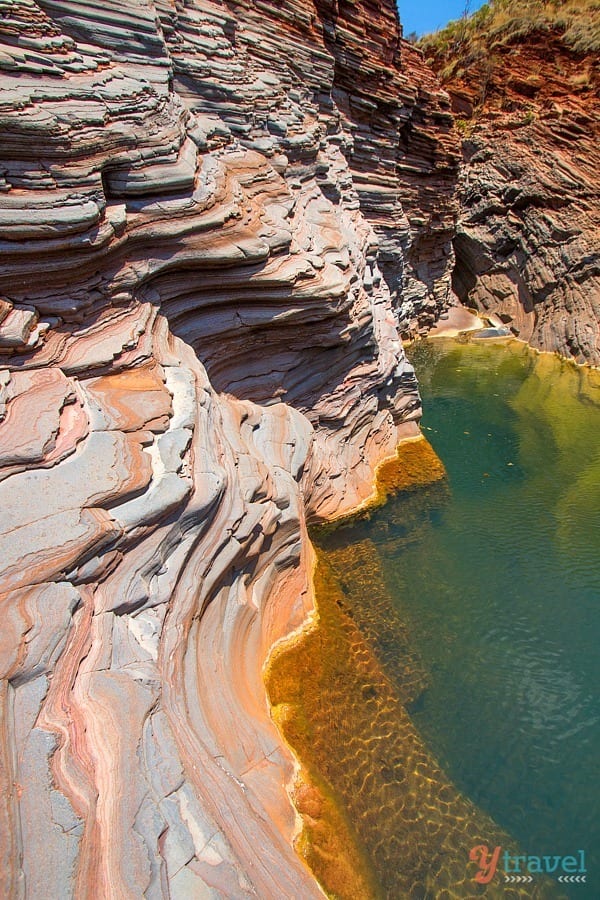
(416, 463)
(300, 670)
(299, 675)
(379, 817)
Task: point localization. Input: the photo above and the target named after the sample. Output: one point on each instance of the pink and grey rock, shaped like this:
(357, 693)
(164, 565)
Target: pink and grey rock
(198, 354)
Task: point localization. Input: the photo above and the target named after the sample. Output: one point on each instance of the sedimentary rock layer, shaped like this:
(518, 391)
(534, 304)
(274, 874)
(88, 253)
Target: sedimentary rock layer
(198, 350)
(528, 245)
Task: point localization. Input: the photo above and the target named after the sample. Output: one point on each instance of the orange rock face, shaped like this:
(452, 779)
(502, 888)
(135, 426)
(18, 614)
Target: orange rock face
(198, 350)
(528, 245)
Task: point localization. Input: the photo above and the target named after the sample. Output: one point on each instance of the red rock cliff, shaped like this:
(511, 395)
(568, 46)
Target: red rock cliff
(528, 245)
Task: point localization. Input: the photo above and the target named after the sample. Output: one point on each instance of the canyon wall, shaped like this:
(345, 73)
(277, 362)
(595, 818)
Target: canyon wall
(528, 240)
(198, 353)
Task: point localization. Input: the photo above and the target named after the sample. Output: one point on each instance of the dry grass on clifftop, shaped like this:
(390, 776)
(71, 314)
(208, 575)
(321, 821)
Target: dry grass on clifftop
(468, 40)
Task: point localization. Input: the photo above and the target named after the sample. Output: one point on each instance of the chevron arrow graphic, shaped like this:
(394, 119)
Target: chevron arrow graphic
(518, 878)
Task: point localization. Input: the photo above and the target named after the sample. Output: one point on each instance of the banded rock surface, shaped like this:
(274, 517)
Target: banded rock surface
(198, 351)
(528, 239)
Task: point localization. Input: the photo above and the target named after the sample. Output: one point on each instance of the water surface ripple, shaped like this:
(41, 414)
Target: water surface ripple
(496, 581)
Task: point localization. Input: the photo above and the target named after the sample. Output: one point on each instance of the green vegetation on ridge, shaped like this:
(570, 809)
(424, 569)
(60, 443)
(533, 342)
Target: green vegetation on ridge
(471, 38)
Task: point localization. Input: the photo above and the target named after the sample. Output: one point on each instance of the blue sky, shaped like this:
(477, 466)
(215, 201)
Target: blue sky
(423, 16)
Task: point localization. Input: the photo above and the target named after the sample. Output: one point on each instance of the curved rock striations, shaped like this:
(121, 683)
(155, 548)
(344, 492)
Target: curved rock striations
(406, 184)
(196, 347)
(323, 87)
(527, 246)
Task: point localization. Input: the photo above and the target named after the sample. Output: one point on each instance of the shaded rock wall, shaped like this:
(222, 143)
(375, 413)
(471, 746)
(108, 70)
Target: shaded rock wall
(197, 349)
(528, 245)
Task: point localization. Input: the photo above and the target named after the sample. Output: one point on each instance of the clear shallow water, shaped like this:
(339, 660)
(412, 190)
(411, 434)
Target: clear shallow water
(497, 579)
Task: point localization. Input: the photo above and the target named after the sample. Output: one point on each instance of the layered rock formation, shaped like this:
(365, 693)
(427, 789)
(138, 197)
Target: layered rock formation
(528, 245)
(198, 350)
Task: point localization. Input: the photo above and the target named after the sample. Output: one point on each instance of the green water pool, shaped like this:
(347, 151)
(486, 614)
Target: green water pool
(495, 577)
